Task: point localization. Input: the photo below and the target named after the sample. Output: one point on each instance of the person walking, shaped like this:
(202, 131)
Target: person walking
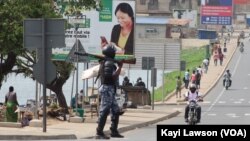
(205, 64)
(216, 56)
(109, 74)
(186, 78)
(178, 87)
(11, 104)
(221, 57)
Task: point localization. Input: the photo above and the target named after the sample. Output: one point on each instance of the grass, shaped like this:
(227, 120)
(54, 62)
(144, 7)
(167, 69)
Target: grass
(193, 58)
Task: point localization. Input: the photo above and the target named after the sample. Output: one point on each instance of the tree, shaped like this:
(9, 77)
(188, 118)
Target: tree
(12, 52)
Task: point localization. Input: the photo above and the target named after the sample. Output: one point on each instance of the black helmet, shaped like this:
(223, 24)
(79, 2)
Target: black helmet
(126, 78)
(228, 70)
(192, 88)
(138, 79)
(109, 51)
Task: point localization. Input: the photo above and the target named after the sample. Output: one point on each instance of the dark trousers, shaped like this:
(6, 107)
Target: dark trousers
(186, 84)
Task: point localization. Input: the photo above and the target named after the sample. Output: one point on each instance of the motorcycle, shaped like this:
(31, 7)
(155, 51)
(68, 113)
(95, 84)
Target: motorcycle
(227, 83)
(192, 114)
(241, 49)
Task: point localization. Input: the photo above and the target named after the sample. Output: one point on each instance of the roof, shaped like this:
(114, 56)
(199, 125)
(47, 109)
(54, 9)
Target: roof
(151, 20)
(160, 20)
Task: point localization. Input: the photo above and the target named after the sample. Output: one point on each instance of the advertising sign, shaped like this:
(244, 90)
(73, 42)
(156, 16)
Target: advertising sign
(241, 1)
(114, 23)
(186, 14)
(216, 12)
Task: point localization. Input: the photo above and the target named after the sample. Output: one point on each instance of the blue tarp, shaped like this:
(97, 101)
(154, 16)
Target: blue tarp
(206, 34)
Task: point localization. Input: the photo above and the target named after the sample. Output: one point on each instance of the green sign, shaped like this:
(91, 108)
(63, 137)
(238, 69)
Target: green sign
(105, 15)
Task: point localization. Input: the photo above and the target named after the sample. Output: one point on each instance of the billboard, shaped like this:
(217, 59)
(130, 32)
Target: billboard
(216, 12)
(186, 14)
(114, 23)
(241, 1)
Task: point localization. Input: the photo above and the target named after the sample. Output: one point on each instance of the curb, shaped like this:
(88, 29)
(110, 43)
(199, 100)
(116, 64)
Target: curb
(37, 137)
(140, 125)
(208, 90)
(217, 80)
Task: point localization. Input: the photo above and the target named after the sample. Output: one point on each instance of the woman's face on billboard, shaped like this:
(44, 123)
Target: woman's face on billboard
(123, 19)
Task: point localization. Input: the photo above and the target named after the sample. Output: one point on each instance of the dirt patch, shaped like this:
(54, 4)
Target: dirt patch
(189, 43)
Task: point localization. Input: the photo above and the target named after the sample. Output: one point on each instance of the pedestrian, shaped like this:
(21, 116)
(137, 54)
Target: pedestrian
(109, 74)
(238, 41)
(11, 104)
(139, 82)
(219, 49)
(205, 64)
(178, 87)
(221, 57)
(215, 58)
(198, 79)
(228, 36)
(193, 77)
(126, 82)
(186, 78)
(199, 70)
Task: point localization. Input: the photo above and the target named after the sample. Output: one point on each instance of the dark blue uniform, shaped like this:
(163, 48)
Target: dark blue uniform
(108, 102)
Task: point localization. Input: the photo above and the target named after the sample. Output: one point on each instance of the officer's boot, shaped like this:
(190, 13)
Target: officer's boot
(114, 126)
(99, 130)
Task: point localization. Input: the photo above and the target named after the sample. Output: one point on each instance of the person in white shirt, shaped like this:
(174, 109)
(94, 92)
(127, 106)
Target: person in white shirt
(190, 95)
(205, 64)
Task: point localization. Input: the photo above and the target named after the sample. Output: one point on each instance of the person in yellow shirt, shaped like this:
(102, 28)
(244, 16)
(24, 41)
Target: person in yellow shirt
(122, 34)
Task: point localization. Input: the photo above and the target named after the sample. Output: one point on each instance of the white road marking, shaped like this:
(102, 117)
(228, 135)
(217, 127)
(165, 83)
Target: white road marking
(237, 102)
(206, 102)
(247, 114)
(212, 114)
(233, 115)
(222, 102)
(242, 99)
(245, 88)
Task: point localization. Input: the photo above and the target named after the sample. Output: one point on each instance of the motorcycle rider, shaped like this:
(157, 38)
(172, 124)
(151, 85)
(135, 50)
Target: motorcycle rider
(190, 95)
(241, 46)
(109, 75)
(227, 75)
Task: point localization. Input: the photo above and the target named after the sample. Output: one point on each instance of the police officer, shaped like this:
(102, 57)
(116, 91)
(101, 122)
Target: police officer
(109, 74)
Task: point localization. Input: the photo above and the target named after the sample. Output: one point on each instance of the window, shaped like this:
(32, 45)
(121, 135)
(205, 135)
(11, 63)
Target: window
(142, 2)
(151, 30)
(153, 5)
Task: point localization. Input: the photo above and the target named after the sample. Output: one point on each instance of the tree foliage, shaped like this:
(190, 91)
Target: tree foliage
(13, 56)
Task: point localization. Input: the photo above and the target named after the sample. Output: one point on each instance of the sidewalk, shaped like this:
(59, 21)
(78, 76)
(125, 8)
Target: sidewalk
(210, 79)
(133, 118)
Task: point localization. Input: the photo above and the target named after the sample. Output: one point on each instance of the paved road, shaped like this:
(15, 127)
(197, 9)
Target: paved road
(220, 106)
